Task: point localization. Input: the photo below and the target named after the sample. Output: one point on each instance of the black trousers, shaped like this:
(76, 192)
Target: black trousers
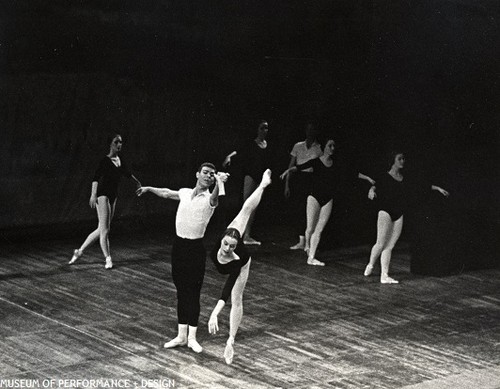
(300, 188)
(188, 271)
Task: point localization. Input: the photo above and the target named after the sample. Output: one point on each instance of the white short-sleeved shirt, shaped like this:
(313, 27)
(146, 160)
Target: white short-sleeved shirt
(304, 154)
(193, 214)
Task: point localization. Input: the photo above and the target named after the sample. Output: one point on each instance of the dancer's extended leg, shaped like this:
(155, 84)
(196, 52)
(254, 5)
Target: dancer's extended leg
(242, 220)
(249, 186)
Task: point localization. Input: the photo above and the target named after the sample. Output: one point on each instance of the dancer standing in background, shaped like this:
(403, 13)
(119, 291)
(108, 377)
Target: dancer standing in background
(103, 197)
(196, 207)
(298, 185)
(231, 257)
(392, 192)
(255, 158)
(325, 183)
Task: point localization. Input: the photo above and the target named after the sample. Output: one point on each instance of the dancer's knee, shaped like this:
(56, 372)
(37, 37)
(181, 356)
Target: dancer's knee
(387, 251)
(104, 230)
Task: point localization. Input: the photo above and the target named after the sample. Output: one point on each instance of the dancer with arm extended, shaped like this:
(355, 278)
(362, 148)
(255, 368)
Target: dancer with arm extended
(298, 185)
(103, 197)
(320, 200)
(231, 257)
(255, 158)
(392, 192)
(196, 207)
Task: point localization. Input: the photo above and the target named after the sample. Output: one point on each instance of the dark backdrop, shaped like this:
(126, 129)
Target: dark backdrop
(185, 82)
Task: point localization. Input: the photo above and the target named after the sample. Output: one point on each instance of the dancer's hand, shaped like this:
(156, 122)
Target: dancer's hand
(371, 193)
(140, 191)
(213, 325)
(227, 161)
(284, 174)
(93, 201)
(444, 192)
(223, 176)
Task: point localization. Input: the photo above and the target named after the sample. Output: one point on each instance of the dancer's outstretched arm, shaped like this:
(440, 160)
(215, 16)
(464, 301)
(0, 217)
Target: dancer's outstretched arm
(444, 192)
(362, 176)
(160, 192)
(250, 204)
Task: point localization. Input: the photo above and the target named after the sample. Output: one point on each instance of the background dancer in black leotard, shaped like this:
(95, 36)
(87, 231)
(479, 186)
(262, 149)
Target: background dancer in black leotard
(232, 258)
(255, 158)
(103, 197)
(392, 193)
(320, 201)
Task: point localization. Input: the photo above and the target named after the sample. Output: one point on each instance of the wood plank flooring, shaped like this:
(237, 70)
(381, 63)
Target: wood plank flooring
(304, 327)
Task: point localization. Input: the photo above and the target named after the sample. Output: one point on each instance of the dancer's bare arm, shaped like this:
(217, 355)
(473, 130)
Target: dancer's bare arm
(444, 192)
(160, 192)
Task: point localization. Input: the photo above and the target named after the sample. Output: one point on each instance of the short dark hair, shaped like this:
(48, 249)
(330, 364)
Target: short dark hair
(207, 164)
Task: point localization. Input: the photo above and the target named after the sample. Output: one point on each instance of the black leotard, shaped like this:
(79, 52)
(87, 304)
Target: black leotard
(232, 268)
(392, 196)
(255, 160)
(108, 177)
(324, 180)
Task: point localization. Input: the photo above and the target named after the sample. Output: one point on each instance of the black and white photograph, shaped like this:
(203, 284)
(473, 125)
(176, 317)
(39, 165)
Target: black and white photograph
(250, 194)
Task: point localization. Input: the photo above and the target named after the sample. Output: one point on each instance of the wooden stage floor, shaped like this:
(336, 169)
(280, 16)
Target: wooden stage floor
(304, 327)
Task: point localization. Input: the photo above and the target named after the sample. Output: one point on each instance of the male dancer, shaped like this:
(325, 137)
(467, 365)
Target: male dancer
(196, 207)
